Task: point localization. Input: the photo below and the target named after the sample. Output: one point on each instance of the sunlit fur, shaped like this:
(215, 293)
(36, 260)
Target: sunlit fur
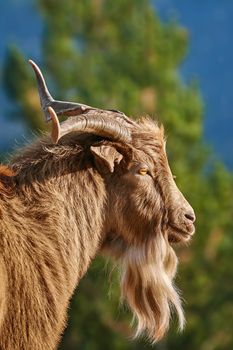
(147, 285)
(59, 209)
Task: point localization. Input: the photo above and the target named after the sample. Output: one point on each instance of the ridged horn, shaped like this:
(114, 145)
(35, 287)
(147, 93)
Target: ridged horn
(94, 121)
(69, 108)
(46, 100)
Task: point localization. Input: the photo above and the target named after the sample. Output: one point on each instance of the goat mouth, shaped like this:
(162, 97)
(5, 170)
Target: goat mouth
(176, 234)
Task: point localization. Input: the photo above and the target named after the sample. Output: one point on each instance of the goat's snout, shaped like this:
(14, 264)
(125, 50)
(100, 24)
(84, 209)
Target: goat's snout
(181, 217)
(190, 215)
(189, 218)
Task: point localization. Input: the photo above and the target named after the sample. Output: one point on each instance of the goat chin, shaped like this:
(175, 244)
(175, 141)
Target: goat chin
(147, 286)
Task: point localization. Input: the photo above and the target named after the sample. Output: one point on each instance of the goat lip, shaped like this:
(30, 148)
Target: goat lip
(186, 229)
(177, 234)
(190, 229)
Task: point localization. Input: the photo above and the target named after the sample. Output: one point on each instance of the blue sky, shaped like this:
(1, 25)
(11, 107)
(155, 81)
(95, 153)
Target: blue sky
(20, 25)
(210, 59)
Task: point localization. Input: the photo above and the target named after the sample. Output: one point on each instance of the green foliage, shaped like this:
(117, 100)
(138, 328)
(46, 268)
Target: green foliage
(20, 86)
(118, 54)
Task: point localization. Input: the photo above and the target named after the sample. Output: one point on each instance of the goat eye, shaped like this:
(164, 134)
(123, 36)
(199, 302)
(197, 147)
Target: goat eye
(143, 171)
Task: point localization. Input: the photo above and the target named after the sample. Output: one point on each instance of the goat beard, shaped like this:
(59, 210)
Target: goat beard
(147, 275)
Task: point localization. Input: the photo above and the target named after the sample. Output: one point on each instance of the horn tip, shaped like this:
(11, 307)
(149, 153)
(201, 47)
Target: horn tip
(32, 63)
(35, 68)
(56, 126)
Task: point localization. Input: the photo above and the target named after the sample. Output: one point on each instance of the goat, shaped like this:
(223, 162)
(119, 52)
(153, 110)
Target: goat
(101, 185)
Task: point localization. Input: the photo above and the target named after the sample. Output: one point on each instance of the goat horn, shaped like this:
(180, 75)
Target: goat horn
(56, 130)
(95, 121)
(46, 100)
(68, 108)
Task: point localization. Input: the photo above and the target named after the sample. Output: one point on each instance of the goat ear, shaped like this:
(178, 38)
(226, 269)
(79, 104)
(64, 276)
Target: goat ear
(106, 156)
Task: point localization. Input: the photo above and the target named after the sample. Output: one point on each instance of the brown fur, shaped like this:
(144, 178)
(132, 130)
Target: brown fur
(6, 180)
(63, 209)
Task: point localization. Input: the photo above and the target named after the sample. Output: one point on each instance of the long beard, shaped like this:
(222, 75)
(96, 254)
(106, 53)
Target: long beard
(147, 286)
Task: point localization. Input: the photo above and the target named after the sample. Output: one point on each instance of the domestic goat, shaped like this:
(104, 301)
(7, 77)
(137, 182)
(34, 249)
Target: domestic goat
(101, 185)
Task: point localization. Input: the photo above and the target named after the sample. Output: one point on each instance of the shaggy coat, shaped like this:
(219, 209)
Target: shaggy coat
(61, 205)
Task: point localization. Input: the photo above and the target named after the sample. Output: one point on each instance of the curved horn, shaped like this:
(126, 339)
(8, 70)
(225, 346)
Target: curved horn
(69, 108)
(96, 122)
(46, 100)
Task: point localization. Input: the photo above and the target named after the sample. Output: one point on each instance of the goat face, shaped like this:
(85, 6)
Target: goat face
(144, 197)
(146, 212)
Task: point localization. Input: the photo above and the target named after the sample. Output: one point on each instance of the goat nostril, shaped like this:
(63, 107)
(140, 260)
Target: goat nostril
(190, 216)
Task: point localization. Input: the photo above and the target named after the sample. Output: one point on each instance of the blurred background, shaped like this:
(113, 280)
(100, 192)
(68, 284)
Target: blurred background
(171, 59)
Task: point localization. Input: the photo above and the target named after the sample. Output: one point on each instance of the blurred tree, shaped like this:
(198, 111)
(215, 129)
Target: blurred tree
(118, 54)
(20, 86)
